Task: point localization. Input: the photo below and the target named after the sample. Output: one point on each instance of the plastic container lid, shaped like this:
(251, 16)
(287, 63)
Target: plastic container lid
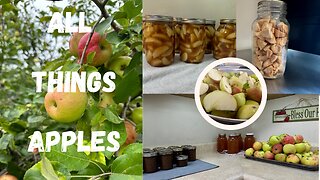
(165, 152)
(149, 154)
(182, 157)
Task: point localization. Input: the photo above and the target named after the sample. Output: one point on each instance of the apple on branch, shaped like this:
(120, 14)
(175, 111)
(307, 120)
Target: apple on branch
(65, 106)
(119, 64)
(73, 43)
(97, 44)
(131, 133)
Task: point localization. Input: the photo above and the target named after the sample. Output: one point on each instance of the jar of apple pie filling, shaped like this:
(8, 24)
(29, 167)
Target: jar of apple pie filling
(158, 40)
(270, 32)
(177, 27)
(225, 39)
(192, 40)
(210, 28)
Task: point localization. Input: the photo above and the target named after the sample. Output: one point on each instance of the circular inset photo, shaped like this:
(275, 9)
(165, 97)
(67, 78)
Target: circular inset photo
(230, 93)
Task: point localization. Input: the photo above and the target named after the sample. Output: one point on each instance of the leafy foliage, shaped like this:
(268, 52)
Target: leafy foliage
(25, 47)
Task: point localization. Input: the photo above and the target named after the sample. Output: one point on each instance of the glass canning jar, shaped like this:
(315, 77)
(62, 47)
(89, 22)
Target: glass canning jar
(225, 39)
(177, 27)
(270, 32)
(192, 40)
(158, 40)
(248, 141)
(210, 27)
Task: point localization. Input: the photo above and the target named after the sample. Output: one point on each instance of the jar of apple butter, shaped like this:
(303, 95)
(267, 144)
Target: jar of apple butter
(190, 151)
(248, 141)
(240, 141)
(166, 159)
(222, 143)
(233, 144)
(150, 161)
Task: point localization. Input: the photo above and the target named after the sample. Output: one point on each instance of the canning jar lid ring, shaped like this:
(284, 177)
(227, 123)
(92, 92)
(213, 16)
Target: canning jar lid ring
(182, 157)
(177, 149)
(193, 21)
(150, 154)
(177, 19)
(232, 135)
(190, 147)
(250, 134)
(210, 22)
(222, 134)
(229, 21)
(157, 18)
(165, 152)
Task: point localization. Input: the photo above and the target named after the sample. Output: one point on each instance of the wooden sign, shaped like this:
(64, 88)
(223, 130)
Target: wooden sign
(307, 113)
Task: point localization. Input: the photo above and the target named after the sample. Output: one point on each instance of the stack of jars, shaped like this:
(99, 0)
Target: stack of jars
(234, 143)
(190, 37)
(161, 158)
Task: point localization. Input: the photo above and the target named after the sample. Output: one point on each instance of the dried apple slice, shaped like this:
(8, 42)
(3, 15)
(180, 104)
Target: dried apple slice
(219, 100)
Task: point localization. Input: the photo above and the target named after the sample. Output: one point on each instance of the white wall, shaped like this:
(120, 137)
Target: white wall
(175, 120)
(246, 14)
(208, 9)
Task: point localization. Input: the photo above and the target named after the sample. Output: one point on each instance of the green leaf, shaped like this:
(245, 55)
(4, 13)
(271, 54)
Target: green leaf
(93, 115)
(55, 9)
(45, 18)
(97, 157)
(69, 9)
(112, 116)
(133, 148)
(36, 119)
(70, 66)
(47, 170)
(119, 14)
(72, 160)
(116, 176)
(2, 2)
(34, 173)
(129, 86)
(90, 57)
(135, 63)
(4, 157)
(103, 26)
(132, 9)
(128, 164)
(113, 37)
(5, 140)
(93, 169)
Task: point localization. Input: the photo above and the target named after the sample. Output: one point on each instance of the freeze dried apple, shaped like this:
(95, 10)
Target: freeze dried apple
(270, 39)
(225, 39)
(192, 40)
(158, 40)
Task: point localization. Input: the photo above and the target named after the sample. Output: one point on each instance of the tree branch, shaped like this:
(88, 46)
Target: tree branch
(88, 41)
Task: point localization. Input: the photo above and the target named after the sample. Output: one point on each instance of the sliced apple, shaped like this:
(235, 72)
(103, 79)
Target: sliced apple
(219, 100)
(215, 75)
(247, 111)
(203, 88)
(254, 93)
(226, 114)
(251, 102)
(240, 98)
(225, 86)
(207, 80)
(235, 81)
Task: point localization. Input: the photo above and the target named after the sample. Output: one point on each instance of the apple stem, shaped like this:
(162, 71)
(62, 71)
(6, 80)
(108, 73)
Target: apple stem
(89, 39)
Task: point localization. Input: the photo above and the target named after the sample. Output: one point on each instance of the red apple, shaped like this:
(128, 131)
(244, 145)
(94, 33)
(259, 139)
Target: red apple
(277, 148)
(288, 140)
(97, 44)
(298, 138)
(268, 155)
(131, 133)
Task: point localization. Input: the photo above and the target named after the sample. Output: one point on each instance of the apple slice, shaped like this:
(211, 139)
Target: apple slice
(226, 114)
(240, 98)
(215, 75)
(203, 88)
(235, 81)
(225, 86)
(254, 94)
(219, 100)
(247, 111)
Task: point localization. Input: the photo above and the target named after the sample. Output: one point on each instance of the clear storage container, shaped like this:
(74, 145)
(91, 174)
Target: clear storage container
(158, 40)
(270, 32)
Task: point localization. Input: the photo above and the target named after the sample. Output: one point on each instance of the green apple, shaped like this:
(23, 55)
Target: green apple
(266, 147)
(131, 133)
(258, 154)
(226, 114)
(249, 152)
(65, 106)
(300, 147)
(309, 161)
(274, 140)
(225, 86)
(106, 99)
(299, 155)
(308, 147)
(289, 149)
(257, 145)
(73, 43)
(251, 102)
(240, 98)
(204, 87)
(280, 157)
(219, 100)
(247, 111)
(119, 64)
(97, 44)
(292, 158)
(307, 154)
(137, 115)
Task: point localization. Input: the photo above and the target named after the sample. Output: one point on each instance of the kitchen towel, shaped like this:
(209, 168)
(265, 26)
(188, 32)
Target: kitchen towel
(193, 167)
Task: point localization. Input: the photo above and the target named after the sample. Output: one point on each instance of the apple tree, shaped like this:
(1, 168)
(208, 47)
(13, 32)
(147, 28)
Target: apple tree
(26, 47)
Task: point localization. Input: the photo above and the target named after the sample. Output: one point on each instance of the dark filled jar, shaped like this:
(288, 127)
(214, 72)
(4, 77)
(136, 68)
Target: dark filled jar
(182, 160)
(157, 149)
(248, 141)
(150, 162)
(222, 143)
(190, 151)
(176, 152)
(233, 144)
(173, 147)
(166, 159)
(240, 141)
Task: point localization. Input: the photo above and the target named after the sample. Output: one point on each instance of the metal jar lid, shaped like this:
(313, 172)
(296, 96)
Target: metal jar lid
(178, 149)
(149, 154)
(249, 134)
(193, 21)
(227, 21)
(172, 147)
(146, 150)
(273, 6)
(177, 19)
(210, 22)
(190, 147)
(165, 152)
(158, 18)
(232, 135)
(158, 148)
(182, 157)
(222, 134)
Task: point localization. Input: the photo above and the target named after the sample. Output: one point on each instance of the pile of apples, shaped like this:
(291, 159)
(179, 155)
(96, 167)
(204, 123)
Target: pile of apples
(285, 148)
(230, 94)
